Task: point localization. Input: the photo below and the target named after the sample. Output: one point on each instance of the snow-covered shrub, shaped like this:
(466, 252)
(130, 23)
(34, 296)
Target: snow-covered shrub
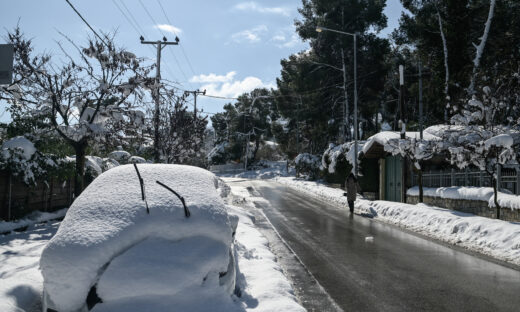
(308, 165)
(19, 156)
(218, 155)
(120, 155)
(269, 150)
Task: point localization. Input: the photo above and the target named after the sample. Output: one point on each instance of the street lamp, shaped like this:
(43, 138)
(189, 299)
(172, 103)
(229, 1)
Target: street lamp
(354, 35)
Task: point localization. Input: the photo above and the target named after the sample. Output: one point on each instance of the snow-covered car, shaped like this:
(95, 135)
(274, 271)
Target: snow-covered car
(142, 237)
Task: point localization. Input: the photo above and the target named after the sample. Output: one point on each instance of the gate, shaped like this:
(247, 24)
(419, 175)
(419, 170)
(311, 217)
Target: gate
(393, 171)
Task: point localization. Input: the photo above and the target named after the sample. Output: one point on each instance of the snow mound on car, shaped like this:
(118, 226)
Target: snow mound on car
(110, 217)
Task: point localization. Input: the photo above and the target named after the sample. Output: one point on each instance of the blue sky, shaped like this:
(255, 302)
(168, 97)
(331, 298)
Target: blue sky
(227, 47)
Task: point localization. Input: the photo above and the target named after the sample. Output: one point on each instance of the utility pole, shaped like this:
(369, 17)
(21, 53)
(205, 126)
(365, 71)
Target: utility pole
(159, 45)
(420, 101)
(355, 109)
(345, 126)
(402, 120)
(298, 126)
(195, 93)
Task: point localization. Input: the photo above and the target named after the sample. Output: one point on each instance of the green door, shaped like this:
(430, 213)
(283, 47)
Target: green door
(393, 167)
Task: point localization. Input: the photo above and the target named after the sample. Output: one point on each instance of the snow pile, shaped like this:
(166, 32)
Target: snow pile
(496, 238)
(110, 217)
(469, 193)
(33, 218)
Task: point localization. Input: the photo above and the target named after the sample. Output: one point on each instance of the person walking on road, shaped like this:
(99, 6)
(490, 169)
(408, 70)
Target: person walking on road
(352, 187)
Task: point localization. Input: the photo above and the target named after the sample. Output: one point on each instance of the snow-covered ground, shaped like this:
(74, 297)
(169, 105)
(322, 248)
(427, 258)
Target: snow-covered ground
(495, 238)
(21, 282)
(261, 283)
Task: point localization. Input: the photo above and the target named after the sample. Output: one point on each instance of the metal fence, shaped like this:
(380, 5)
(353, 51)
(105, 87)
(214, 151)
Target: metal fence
(508, 178)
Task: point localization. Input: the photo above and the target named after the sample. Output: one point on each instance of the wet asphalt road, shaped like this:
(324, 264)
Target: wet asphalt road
(398, 271)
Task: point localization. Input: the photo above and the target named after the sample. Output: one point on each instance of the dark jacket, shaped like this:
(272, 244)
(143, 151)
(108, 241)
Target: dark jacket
(352, 187)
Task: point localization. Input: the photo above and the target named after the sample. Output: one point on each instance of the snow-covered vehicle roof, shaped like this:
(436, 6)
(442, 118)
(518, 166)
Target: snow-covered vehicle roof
(108, 238)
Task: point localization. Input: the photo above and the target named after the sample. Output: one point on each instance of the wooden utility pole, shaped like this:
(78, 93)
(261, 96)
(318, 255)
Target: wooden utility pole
(159, 45)
(402, 120)
(195, 93)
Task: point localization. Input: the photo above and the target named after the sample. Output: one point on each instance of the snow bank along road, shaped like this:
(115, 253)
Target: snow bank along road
(366, 265)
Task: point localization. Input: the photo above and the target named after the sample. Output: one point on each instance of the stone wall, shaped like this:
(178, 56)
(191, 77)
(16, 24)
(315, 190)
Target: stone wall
(477, 207)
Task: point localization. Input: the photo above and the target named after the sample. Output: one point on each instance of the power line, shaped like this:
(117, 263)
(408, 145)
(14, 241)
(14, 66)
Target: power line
(126, 17)
(84, 20)
(156, 24)
(182, 48)
(140, 31)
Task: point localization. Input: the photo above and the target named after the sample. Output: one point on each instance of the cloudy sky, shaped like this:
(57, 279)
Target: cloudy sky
(226, 47)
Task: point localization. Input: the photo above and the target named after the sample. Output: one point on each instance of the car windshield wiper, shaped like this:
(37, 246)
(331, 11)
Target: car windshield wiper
(186, 211)
(143, 193)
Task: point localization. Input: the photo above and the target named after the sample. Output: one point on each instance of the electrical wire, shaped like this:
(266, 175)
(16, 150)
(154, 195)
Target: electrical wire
(139, 30)
(84, 20)
(181, 45)
(155, 23)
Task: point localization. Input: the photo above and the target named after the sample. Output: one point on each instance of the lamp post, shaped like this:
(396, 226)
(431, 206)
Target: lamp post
(354, 35)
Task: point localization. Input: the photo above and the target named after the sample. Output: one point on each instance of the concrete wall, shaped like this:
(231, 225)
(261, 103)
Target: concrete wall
(477, 207)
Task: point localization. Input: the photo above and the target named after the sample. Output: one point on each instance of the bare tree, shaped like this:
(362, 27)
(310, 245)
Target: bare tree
(182, 133)
(84, 96)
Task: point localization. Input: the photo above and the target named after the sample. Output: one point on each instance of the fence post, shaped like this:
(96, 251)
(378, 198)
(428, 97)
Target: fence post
(452, 177)
(517, 170)
(480, 178)
(466, 176)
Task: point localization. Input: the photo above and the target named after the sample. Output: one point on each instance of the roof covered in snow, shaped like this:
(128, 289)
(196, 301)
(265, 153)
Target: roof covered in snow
(374, 146)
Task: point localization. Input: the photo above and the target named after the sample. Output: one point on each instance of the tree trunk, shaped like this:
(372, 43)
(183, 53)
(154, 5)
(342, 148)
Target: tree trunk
(80, 148)
(495, 197)
(420, 182)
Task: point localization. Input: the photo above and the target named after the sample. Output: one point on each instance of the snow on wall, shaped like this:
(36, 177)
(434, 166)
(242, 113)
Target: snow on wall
(110, 217)
(469, 193)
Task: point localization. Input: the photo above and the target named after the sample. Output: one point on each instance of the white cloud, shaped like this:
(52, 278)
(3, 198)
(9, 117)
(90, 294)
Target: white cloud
(220, 85)
(251, 35)
(255, 7)
(168, 28)
(278, 38)
(213, 77)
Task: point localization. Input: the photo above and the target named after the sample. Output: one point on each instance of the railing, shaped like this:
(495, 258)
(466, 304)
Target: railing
(508, 178)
